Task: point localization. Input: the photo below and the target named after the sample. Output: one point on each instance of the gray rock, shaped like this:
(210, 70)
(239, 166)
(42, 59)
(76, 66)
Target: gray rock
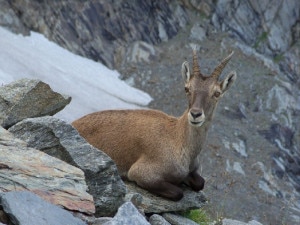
(23, 168)
(101, 220)
(128, 215)
(9, 19)
(236, 222)
(28, 98)
(141, 51)
(264, 24)
(26, 208)
(96, 29)
(178, 220)
(156, 219)
(150, 203)
(198, 32)
(8, 139)
(61, 140)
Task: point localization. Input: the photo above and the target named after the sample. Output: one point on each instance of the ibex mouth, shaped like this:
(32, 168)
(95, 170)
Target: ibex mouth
(198, 124)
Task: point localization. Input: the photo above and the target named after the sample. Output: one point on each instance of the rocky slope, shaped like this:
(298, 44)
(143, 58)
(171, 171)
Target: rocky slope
(252, 156)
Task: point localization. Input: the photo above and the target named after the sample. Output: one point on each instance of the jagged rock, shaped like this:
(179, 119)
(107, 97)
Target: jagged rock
(9, 19)
(61, 140)
(156, 219)
(178, 220)
(266, 25)
(23, 168)
(128, 214)
(26, 208)
(150, 203)
(26, 98)
(96, 28)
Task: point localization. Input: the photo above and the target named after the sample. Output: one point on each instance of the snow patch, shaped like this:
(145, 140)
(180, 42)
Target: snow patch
(92, 86)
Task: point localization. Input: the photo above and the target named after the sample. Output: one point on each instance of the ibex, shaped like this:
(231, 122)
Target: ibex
(157, 151)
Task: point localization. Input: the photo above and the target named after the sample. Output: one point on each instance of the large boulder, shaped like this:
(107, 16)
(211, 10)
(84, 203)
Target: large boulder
(24, 168)
(28, 98)
(61, 140)
(26, 208)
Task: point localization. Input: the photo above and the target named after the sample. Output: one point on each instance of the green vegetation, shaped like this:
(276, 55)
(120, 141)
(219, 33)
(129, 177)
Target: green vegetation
(197, 215)
(278, 58)
(262, 38)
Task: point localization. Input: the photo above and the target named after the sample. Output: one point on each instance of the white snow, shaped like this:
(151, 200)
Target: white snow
(92, 86)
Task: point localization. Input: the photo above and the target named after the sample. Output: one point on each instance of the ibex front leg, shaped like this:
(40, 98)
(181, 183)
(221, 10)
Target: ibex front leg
(142, 173)
(195, 181)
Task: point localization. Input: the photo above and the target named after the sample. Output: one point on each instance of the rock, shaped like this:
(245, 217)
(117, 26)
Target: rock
(265, 25)
(198, 32)
(8, 139)
(26, 208)
(24, 168)
(3, 217)
(28, 98)
(239, 147)
(236, 222)
(156, 219)
(178, 220)
(150, 203)
(128, 214)
(289, 62)
(94, 29)
(61, 140)
(9, 19)
(235, 167)
(203, 7)
(141, 51)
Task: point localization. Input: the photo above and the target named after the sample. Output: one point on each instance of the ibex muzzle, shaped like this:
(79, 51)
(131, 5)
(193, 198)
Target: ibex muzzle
(153, 149)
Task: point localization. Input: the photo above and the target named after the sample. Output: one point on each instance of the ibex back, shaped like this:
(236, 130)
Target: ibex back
(153, 149)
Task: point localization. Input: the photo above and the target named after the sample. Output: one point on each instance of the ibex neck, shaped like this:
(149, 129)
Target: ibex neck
(193, 136)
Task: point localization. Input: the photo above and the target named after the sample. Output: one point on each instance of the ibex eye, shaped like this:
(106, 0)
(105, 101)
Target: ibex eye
(217, 94)
(186, 89)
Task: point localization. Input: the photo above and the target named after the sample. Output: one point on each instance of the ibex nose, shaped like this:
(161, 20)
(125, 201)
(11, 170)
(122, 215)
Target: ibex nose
(195, 113)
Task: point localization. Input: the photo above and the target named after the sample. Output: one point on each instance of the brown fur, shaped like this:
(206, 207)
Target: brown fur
(156, 150)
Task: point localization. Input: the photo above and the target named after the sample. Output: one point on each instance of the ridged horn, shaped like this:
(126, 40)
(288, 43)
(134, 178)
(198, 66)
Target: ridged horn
(218, 70)
(196, 68)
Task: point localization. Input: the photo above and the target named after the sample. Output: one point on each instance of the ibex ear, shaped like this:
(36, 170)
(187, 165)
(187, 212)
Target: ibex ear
(185, 71)
(228, 81)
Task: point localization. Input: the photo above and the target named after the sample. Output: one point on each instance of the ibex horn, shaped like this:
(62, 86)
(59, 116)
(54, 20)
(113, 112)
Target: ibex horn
(196, 68)
(218, 70)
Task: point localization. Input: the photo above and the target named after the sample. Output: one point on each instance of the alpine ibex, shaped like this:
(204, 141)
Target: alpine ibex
(153, 149)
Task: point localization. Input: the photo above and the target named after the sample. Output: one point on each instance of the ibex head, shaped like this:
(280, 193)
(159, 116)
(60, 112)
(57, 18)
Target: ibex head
(204, 92)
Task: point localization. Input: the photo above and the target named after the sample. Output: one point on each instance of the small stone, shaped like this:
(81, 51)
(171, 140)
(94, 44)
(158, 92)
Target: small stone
(156, 219)
(198, 32)
(128, 214)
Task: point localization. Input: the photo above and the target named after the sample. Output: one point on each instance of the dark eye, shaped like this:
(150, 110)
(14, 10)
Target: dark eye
(217, 94)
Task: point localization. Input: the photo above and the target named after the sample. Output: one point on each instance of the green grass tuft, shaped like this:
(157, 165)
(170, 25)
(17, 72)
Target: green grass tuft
(197, 215)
